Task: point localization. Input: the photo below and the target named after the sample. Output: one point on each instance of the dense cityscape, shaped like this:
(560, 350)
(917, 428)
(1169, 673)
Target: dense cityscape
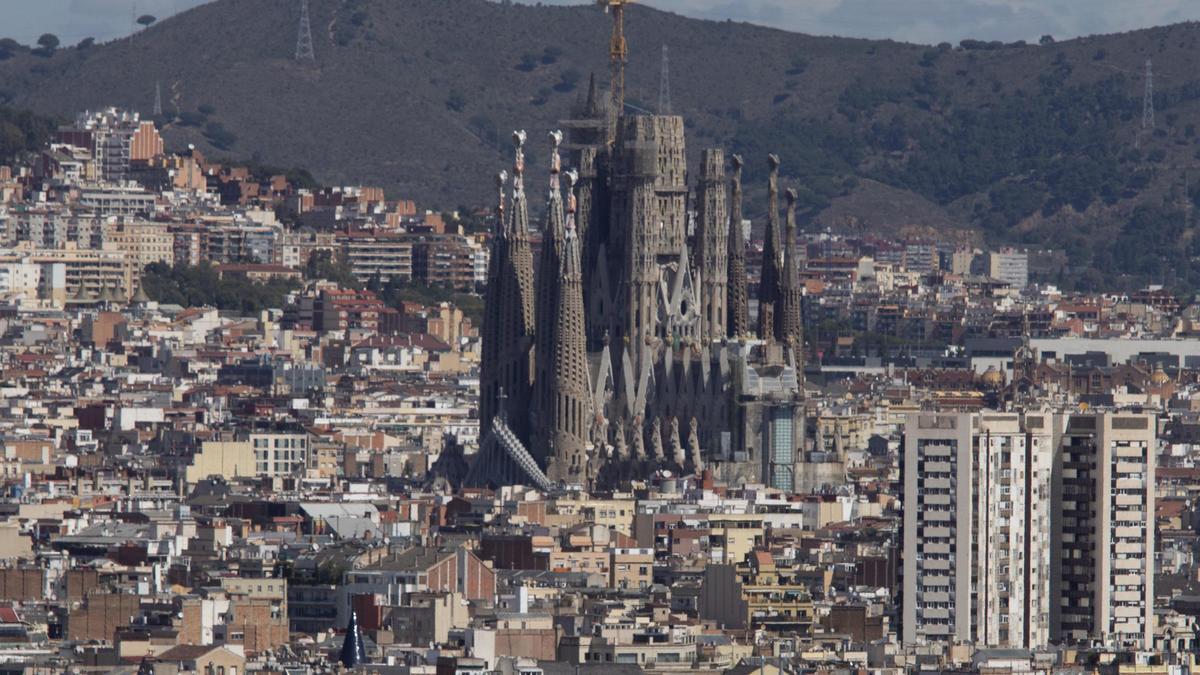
(251, 423)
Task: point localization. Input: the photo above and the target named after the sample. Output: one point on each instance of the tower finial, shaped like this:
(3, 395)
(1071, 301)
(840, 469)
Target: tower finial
(556, 138)
(501, 181)
(572, 179)
(519, 161)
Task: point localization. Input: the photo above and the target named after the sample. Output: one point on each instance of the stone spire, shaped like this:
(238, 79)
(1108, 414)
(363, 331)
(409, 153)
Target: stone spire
(548, 279)
(788, 318)
(738, 299)
(713, 241)
(508, 308)
(772, 265)
(521, 255)
(620, 447)
(570, 410)
(677, 453)
(694, 445)
(638, 433)
(656, 441)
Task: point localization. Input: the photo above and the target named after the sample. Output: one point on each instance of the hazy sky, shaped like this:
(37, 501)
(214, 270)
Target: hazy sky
(927, 21)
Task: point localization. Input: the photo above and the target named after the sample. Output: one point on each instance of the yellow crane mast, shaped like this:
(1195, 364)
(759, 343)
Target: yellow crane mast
(618, 52)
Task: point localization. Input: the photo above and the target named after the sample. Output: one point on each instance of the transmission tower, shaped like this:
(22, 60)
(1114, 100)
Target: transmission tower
(157, 100)
(664, 85)
(1147, 105)
(304, 41)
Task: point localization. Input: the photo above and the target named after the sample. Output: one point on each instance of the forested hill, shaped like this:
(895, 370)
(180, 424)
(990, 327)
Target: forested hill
(1028, 143)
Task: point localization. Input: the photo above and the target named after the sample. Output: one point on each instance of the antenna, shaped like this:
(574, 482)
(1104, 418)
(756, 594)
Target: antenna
(157, 100)
(664, 85)
(304, 41)
(1147, 104)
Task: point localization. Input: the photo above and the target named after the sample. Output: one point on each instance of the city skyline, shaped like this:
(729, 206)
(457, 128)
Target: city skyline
(858, 358)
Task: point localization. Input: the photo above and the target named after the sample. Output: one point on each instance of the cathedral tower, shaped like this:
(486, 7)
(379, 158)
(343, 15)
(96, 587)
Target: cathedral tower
(635, 232)
(548, 271)
(670, 185)
(738, 299)
(569, 415)
(506, 364)
(712, 241)
(772, 264)
(789, 319)
(588, 132)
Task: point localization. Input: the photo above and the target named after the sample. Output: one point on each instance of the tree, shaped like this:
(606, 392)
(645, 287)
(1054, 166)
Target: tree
(322, 264)
(48, 42)
(146, 19)
(200, 285)
(86, 43)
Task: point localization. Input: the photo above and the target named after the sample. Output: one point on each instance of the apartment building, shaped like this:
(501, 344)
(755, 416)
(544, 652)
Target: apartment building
(115, 138)
(1012, 484)
(279, 454)
(1103, 544)
(389, 255)
(84, 272)
(449, 260)
(142, 242)
(1026, 529)
(117, 200)
(1009, 266)
(20, 278)
(239, 242)
(938, 520)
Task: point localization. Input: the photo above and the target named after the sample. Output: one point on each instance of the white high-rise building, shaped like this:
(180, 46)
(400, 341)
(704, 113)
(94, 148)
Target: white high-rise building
(1009, 266)
(1020, 529)
(1012, 483)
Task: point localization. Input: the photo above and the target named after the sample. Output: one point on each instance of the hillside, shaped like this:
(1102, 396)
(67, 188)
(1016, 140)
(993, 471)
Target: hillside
(1024, 143)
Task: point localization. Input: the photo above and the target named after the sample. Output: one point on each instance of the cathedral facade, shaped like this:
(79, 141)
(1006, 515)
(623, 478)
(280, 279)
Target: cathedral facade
(627, 348)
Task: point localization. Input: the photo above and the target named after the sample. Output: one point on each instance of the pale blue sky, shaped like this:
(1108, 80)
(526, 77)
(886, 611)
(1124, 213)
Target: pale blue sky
(927, 21)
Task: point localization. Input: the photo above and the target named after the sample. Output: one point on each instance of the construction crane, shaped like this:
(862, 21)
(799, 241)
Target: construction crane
(618, 52)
